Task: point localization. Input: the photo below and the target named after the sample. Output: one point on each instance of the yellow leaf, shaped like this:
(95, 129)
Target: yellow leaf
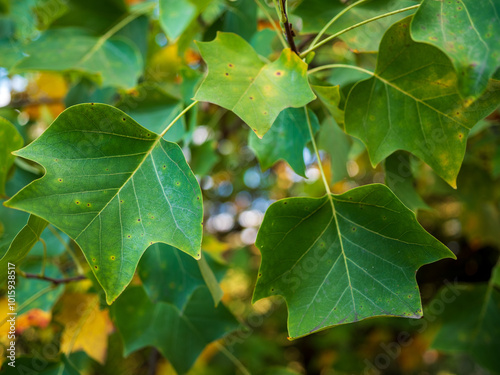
(47, 86)
(86, 327)
(165, 63)
(215, 247)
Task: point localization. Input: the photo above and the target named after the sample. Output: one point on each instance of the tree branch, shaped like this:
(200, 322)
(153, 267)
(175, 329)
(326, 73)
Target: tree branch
(52, 280)
(288, 28)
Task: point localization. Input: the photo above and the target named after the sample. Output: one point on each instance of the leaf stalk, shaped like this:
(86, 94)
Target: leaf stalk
(326, 40)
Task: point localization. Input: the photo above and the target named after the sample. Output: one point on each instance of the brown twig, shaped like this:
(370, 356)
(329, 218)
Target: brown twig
(288, 29)
(154, 356)
(52, 280)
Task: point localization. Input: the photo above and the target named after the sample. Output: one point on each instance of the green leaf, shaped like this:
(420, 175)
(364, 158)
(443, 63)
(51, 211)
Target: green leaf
(331, 137)
(154, 109)
(262, 42)
(399, 178)
(330, 97)
(467, 31)
(496, 164)
(94, 15)
(87, 91)
(116, 61)
(356, 262)
(168, 275)
(204, 157)
(471, 323)
(55, 240)
(280, 371)
(31, 365)
(479, 214)
(495, 276)
(257, 92)
(286, 140)
(241, 18)
(338, 145)
(10, 53)
(22, 244)
(176, 15)
(316, 13)
(179, 335)
(210, 280)
(10, 140)
(13, 221)
(24, 17)
(27, 289)
(115, 188)
(412, 103)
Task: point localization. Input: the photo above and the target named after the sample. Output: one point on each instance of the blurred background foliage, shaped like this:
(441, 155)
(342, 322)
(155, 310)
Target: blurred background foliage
(236, 192)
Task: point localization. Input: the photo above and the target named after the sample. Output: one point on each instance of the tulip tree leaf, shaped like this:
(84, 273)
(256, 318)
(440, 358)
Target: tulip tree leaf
(116, 61)
(238, 80)
(13, 221)
(179, 334)
(241, 18)
(467, 31)
(22, 244)
(470, 323)
(412, 103)
(331, 138)
(399, 178)
(338, 145)
(210, 280)
(115, 188)
(154, 109)
(176, 15)
(496, 163)
(26, 288)
(10, 140)
(315, 14)
(338, 267)
(285, 140)
(169, 275)
(330, 97)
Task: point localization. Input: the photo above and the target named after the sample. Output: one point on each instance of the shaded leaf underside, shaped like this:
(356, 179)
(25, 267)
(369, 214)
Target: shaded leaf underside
(117, 61)
(180, 335)
(285, 140)
(470, 322)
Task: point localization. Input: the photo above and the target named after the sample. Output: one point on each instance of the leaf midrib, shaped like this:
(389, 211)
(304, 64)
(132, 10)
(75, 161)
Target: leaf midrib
(346, 258)
(339, 234)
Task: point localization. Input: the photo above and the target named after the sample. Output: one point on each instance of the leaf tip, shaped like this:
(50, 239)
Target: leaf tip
(452, 183)
(110, 299)
(8, 203)
(260, 135)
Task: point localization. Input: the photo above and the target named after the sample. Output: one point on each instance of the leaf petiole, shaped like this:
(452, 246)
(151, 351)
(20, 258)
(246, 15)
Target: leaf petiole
(273, 24)
(333, 66)
(178, 117)
(326, 40)
(316, 151)
(335, 18)
(139, 11)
